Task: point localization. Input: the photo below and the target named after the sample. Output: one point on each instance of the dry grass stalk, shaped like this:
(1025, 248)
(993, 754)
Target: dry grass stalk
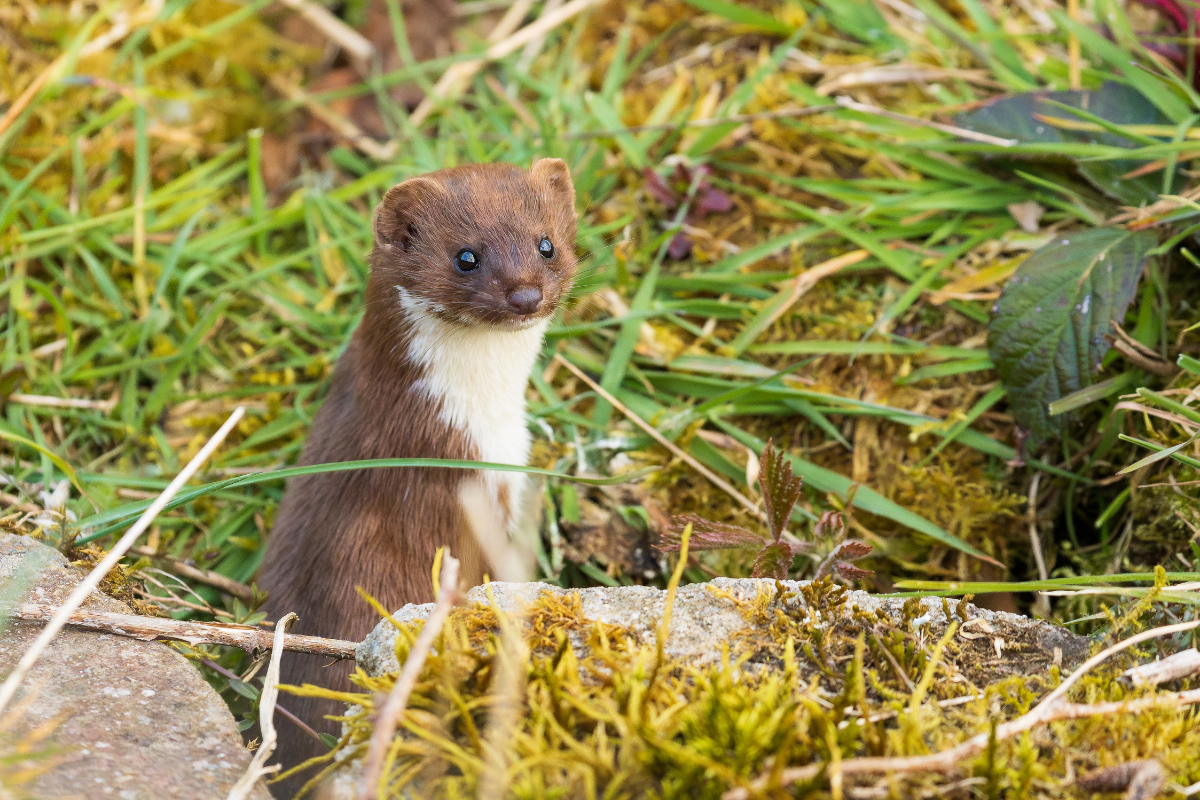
(456, 77)
(244, 637)
(459, 74)
(357, 47)
(62, 402)
(717, 480)
(215, 579)
(397, 701)
(1047, 711)
(808, 279)
(340, 124)
(707, 122)
(953, 130)
(85, 587)
(266, 718)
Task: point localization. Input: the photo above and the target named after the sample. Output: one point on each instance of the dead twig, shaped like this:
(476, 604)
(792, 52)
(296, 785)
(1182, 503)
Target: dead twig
(947, 761)
(266, 718)
(89, 583)
(244, 637)
(299, 723)
(953, 130)
(357, 47)
(62, 402)
(397, 701)
(227, 585)
(458, 75)
(707, 122)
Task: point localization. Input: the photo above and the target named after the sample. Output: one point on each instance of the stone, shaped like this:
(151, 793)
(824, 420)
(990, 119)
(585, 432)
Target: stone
(992, 644)
(130, 719)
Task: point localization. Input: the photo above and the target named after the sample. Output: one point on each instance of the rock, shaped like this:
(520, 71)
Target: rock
(991, 644)
(751, 622)
(131, 720)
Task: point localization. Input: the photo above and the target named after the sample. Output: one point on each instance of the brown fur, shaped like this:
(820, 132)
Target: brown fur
(379, 528)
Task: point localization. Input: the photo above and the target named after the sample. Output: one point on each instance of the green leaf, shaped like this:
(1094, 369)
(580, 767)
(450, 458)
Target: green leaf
(773, 561)
(55, 459)
(243, 688)
(1156, 457)
(862, 20)
(1046, 336)
(1108, 108)
(1090, 394)
(1188, 363)
(116, 518)
(743, 15)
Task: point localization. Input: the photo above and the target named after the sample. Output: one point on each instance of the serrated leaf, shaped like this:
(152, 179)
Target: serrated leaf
(780, 489)
(852, 549)
(1046, 335)
(1017, 117)
(851, 572)
(707, 535)
(773, 561)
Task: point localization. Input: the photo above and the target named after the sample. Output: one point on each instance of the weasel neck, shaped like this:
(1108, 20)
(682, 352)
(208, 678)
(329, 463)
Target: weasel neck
(477, 375)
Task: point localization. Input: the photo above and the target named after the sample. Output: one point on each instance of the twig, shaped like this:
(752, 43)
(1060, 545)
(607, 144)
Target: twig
(1048, 710)
(85, 587)
(962, 133)
(266, 718)
(301, 724)
(61, 402)
(245, 637)
(227, 585)
(357, 47)
(397, 701)
(341, 125)
(721, 483)
(707, 122)
(459, 74)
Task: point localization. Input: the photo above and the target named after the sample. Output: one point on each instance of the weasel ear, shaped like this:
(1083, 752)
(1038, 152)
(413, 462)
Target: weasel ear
(397, 213)
(552, 173)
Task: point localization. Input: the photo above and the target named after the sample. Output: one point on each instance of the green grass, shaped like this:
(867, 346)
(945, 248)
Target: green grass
(231, 299)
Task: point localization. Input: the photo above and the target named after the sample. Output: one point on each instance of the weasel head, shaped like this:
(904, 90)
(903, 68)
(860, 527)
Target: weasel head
(485, 244)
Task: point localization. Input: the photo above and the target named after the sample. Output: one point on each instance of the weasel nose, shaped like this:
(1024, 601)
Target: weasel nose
(525, 300)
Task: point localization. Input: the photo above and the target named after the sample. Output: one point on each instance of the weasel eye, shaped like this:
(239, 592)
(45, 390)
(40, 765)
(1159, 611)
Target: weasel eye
(546, 248)
(466, 260)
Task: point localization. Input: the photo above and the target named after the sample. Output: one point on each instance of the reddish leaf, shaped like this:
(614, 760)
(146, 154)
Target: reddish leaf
(851, 572)
(1172, 9)
(774, 561)
(657, 188)
(828, 521)
(852, 550)
(680, 247)
(780, 490)
(711, 200)
(707, 535)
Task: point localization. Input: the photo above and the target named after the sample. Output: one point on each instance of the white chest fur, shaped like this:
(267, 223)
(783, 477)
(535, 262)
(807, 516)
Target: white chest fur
(479, 376)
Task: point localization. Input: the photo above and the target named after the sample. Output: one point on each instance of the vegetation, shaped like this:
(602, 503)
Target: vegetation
(799, 222)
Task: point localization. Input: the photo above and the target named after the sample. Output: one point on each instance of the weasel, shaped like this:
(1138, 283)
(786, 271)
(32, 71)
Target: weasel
(468, 267)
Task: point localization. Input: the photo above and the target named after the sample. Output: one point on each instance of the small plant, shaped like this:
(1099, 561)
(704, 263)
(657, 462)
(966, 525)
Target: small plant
(780, 491)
